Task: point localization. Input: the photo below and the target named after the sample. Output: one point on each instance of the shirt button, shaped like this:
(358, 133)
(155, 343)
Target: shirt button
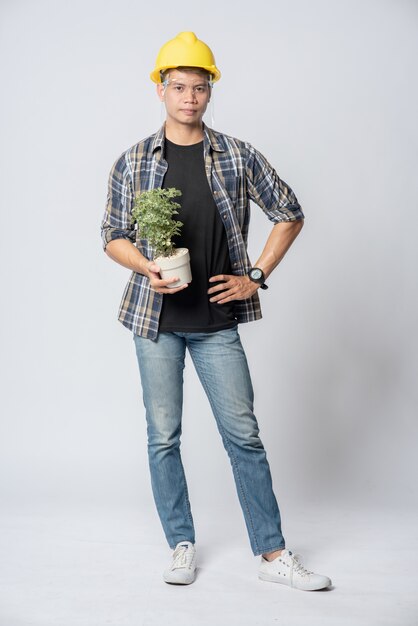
(224, 216)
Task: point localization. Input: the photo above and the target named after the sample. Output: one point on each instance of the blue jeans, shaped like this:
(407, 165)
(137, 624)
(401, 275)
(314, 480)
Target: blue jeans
(222, 368)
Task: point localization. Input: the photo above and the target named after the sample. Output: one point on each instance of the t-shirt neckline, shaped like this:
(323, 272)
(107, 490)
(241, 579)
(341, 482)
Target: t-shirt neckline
(182, 146)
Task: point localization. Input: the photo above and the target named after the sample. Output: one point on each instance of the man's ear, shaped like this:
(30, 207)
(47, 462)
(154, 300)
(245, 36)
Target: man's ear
(160, 91)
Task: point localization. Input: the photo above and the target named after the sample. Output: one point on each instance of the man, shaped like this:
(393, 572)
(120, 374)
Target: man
(217, 176)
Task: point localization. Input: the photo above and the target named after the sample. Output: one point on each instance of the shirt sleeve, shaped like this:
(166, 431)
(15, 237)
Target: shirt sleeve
(271, 193)
(116, 222)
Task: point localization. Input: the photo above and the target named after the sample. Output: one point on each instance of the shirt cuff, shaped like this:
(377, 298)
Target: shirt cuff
(290, 213)
(109, 234)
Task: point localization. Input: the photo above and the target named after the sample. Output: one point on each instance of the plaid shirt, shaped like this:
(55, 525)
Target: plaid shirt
(236, 172)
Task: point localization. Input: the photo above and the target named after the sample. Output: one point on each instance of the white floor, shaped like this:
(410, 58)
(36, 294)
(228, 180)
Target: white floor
(98, 567)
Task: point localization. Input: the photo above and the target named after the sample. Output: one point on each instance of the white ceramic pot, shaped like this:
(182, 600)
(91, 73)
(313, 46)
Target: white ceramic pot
(178, 264)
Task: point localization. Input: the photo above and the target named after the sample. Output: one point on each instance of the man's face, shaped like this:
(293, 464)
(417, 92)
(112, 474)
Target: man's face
(186, 96)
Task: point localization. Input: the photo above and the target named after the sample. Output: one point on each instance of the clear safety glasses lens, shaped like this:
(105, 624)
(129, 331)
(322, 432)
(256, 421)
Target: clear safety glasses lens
(179, 87)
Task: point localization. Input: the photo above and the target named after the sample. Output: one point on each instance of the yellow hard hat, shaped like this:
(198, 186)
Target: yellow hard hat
(185, 50)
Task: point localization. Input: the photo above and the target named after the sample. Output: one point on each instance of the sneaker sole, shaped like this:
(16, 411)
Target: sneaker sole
(272, 579)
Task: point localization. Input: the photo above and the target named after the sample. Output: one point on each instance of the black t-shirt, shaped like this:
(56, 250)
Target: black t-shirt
(204, 235)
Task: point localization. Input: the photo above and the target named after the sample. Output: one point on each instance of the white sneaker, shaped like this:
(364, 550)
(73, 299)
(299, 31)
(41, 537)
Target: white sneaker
(182, 570)
(287, 569)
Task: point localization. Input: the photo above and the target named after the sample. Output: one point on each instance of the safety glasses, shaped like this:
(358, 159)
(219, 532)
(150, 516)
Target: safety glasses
(179, 86)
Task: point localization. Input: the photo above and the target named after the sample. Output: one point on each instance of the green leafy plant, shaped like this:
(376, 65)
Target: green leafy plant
(153, 211)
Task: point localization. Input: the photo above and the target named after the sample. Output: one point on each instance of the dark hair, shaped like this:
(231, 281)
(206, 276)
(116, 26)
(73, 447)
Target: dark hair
(184, 68)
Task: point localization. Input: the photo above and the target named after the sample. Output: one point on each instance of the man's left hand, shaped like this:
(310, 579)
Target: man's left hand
(231, 288)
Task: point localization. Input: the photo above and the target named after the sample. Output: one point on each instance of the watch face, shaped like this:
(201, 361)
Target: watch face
(256, 274)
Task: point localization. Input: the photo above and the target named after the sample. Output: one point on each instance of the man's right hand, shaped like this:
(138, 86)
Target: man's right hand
(158, 284)
(124, 252)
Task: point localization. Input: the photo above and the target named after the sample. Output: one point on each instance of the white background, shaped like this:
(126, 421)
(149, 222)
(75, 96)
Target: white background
(327, 91)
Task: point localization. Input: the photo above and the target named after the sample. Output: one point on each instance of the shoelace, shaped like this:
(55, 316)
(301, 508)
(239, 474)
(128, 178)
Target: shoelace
(298, 567)
(180, 557)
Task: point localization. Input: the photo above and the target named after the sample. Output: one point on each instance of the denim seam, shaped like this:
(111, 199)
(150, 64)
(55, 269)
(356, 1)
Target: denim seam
(187, 499)
(232, 456)
(188, 508)
(186, 496)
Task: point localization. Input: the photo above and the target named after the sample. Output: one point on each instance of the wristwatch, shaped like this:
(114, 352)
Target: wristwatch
(257, 276)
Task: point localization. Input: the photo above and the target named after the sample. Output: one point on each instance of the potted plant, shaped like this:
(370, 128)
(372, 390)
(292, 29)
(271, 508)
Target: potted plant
(153, 211)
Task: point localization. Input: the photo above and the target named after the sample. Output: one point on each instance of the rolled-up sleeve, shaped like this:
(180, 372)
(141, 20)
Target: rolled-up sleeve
(116, 222)
(267, 190)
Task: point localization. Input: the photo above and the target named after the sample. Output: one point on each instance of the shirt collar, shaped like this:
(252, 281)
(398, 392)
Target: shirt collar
(212, 139)
(209, 137)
